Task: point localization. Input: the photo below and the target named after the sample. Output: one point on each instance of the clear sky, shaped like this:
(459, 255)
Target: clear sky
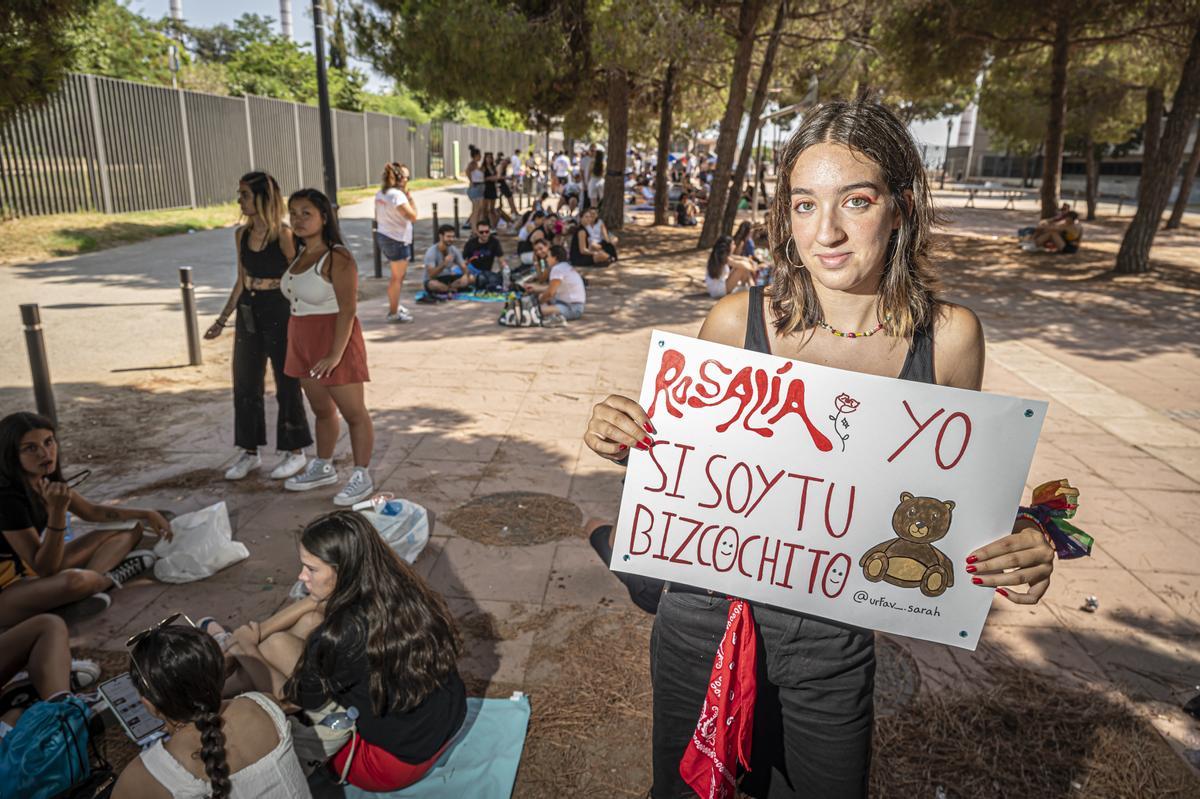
(212, 12)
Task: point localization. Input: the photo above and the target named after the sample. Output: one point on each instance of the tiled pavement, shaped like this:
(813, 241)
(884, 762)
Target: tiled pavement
(463, 408)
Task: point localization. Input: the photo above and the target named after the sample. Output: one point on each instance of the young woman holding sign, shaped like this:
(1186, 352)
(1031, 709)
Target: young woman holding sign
(853, 288)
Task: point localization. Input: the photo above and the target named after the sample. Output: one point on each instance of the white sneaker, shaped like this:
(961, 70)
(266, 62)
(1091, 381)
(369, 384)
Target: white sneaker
(357, 488)
(319, 473)
(243, 465)
(84, 673)
(401, 315)
(291, 463)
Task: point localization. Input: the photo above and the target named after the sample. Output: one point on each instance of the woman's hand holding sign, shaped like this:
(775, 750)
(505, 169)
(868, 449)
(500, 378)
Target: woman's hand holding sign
(1029, 556)
(617, 424)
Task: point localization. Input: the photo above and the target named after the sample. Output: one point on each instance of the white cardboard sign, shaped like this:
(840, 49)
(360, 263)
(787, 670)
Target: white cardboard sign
(842, 495)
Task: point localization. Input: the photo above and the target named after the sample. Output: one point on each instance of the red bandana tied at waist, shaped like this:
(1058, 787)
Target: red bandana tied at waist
(726, 726)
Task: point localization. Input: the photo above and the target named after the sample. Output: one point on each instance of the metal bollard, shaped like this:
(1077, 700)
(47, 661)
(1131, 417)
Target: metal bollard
(189, 315)
(43, 390)
(457, 226)
(435, 223)
(375, 247)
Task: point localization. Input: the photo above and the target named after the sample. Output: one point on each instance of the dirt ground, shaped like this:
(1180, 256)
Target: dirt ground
(584, 657)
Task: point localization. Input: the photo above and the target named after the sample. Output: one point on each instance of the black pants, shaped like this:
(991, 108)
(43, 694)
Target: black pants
(814, 708)
(261, 333)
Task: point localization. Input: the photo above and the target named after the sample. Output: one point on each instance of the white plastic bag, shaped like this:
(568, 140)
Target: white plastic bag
(202, 546)
(403, 525)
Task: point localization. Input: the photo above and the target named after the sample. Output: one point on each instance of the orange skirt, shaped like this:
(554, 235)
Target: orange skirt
(309, 340)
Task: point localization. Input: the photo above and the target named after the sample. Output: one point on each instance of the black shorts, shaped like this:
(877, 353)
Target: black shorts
(505, 191)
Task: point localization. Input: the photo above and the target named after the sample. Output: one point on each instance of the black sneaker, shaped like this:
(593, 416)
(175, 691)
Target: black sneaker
(84, 608)
(135, 563)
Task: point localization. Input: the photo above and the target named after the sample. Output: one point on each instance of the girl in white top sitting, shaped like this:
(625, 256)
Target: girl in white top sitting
(236, 749)
(564, 297)
(325, 345)
(726, 272)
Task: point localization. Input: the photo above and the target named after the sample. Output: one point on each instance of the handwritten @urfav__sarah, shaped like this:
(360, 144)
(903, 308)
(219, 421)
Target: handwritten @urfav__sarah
(886, 604)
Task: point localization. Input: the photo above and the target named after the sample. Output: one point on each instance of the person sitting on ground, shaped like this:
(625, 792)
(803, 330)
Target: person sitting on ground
(41, 647)
(531, 224)
(536, 270)
(40, 569)
(590, 243)
(563, 297)
(685, 210)
(1061, 237)
(240, 748)
(725, 272)
(445, 269)
(383, 642)
(743, 241)
(568, 209)
(484, 256)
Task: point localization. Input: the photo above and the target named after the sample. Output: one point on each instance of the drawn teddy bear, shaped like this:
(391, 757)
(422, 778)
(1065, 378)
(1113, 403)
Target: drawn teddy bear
(911, 560)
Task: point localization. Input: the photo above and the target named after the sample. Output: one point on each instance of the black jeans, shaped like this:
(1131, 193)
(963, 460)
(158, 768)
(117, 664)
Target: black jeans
(813, 714)
(261, 333)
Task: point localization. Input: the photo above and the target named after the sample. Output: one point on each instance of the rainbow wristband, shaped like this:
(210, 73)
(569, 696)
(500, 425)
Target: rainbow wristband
(1053, 503)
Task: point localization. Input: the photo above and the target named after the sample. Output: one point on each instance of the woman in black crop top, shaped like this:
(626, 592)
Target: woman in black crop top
(850, 227)
(40, 569)
(265, 247)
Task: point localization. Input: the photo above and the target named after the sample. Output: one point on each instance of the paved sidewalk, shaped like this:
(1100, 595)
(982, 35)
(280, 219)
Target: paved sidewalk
(464, 409)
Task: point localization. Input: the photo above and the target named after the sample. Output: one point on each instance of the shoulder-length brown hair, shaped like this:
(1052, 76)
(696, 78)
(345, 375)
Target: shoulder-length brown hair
(907, 291)
(391, 175)
(268, 201)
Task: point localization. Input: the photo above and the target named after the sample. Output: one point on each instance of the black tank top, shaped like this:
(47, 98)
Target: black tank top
(268, 263)
(918, 364)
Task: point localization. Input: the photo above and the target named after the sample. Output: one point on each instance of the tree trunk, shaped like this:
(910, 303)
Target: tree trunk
(1185, 186)
(1155, 188)
(1057, 122)
(1092, 165)
(613, 205)
(756, 108)
(730, 122)
(1152, 132)
(665, 124)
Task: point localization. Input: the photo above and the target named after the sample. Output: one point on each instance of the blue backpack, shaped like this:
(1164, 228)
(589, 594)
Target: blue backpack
(46, 753)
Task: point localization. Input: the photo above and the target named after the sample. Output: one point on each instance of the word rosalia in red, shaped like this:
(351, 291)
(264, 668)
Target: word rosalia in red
(756, 392)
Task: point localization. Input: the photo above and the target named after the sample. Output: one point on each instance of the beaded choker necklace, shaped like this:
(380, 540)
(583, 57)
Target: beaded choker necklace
(863, 334)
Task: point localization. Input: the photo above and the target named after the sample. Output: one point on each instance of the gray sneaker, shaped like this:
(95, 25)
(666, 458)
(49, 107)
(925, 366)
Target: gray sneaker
(357, 488)
(319, 473)
(84, 608)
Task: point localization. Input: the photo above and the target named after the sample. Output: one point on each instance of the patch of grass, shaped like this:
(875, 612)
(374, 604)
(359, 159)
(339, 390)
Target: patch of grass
(38, 238)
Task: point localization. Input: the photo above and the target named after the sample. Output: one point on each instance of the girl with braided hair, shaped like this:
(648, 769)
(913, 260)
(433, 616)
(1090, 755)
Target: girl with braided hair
(234, 749)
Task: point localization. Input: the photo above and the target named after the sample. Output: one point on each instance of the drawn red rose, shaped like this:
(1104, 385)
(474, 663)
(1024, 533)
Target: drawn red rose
(845, 404)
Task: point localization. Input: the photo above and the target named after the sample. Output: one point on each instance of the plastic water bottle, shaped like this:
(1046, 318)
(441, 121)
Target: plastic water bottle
(507, 278)
(341, 720)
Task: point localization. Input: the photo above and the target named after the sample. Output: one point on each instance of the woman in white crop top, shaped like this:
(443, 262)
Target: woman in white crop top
(236, 749)
(325, 345)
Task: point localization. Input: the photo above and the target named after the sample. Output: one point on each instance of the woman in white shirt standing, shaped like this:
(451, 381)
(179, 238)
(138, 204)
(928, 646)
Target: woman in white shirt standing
(238, 749)
(395, 212)
(325, 345)
(595, 180)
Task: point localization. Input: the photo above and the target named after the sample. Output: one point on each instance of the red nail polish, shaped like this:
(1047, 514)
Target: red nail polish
(641, 446)
(650, 428)
(1001, 592)
(971, 559)
(977, 580)
(970, 570)
(647, 442)
(622, 446)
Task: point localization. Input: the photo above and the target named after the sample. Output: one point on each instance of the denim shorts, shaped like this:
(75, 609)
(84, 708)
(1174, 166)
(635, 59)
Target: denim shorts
(393, 250)
(570, 310)
(475, 192)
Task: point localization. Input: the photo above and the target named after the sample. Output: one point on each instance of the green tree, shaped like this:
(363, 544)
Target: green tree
(957, 38)
(275, 66)
(117, 42)
(35, 55)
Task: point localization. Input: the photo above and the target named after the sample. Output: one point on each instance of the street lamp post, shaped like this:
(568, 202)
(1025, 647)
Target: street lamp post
(327, 154)
(946, 154)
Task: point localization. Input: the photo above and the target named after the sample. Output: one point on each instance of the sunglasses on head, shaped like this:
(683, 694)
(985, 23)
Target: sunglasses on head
(137, 638)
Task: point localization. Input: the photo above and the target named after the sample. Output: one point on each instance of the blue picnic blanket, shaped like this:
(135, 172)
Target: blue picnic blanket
(472, 296)
(481, 762)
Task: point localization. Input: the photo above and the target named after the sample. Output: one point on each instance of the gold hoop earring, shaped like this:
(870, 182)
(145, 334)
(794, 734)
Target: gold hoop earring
(788, 254)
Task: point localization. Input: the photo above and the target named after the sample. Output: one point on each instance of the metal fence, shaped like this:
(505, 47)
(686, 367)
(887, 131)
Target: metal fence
(102, 144)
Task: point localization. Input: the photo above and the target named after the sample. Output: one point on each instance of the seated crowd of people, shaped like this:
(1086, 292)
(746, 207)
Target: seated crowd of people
(1060, 233)
(248, 711)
